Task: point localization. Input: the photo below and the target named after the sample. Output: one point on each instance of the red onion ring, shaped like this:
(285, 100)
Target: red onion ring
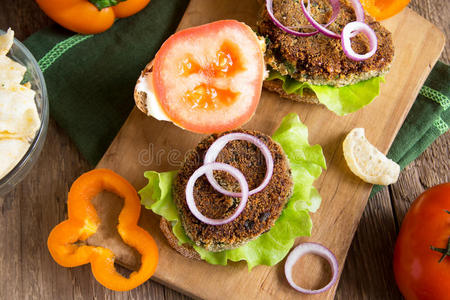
(350, 30)
(322, 29)
(359, 10)
(346, 34)
(313, 248)
(219, 144)
(209, 168)
(334, 3)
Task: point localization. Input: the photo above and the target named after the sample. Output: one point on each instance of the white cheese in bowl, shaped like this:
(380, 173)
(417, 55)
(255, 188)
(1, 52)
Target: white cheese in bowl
(19, 118)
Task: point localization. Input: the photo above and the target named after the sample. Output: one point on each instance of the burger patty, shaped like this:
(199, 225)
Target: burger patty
(319, 59)
(262, 209)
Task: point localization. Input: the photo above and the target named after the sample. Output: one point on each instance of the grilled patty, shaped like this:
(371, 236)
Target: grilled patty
(262, 209)
(319, 59)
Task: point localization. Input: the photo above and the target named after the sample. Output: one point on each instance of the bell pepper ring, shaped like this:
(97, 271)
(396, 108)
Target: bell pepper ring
(83, 222)
(89, 16)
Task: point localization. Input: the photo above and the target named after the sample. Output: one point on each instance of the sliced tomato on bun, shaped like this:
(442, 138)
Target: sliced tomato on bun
(207, 79)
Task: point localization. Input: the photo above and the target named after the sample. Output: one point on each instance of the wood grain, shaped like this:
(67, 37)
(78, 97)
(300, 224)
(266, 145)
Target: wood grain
(38, 203)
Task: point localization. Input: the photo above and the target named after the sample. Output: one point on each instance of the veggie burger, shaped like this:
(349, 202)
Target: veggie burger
(262, 209)
(240, 195)
(311, 62)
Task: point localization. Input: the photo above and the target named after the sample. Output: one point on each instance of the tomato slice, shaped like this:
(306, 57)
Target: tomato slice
(208, 79)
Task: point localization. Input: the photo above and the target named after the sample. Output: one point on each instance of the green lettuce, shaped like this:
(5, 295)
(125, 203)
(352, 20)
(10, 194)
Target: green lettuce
(340, 100)
(306, 164)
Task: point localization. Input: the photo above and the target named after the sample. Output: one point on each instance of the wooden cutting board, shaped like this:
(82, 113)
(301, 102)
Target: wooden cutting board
(144, 143)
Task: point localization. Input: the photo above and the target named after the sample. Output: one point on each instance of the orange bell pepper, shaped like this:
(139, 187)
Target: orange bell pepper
(383, 9)
(66, 240)
(89, 16)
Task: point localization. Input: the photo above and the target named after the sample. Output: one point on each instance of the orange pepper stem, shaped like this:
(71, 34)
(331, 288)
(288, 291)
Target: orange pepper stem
(83, 222)
(101, 4)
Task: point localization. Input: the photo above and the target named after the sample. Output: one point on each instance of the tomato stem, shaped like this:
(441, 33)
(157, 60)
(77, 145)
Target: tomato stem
(445, 252)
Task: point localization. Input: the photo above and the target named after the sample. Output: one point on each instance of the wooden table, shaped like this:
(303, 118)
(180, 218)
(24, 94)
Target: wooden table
(38, 203)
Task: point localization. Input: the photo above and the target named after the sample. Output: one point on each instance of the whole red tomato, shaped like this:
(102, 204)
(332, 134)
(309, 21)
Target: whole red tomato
(422, 270)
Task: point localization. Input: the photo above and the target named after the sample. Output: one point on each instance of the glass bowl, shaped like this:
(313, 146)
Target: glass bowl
(33, 75)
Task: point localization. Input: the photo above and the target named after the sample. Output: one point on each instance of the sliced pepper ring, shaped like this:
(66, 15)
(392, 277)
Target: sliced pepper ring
(83, 222)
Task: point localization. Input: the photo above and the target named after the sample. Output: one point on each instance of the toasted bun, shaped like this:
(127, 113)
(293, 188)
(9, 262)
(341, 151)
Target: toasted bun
(277, 87)
(185, 250)
(141, 97)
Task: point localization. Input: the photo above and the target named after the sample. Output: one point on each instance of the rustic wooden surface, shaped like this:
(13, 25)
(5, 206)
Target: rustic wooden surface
(38, 203)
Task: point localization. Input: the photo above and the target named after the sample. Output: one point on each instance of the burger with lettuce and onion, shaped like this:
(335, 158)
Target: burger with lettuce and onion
(326, 52)
(240, 195)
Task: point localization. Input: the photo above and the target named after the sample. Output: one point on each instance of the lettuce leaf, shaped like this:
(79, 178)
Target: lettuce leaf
(271, 247)
(340, 100)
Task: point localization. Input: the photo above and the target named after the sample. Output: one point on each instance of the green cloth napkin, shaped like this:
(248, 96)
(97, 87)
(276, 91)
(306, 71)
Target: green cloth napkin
(90, 81)
(91, 78)
(428, 119)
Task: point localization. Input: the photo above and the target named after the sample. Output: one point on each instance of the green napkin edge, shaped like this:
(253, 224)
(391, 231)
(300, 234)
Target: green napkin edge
(433, 100)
